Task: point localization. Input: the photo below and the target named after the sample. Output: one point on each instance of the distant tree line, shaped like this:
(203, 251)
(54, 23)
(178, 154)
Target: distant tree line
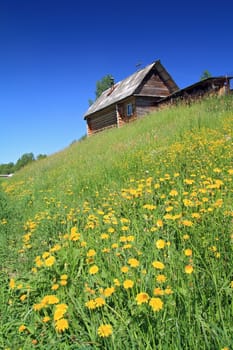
(25, 159)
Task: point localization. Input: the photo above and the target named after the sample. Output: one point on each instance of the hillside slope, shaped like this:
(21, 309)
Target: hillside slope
(124, 240)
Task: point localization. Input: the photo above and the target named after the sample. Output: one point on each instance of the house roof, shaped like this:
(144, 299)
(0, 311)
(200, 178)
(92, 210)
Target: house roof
(128, 87)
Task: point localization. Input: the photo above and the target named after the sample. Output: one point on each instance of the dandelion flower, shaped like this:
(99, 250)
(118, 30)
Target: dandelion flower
(23, 297)
(142, 298)
(90, 304)
(124, 269)
(12, 283)
(133, 262)
(93, 270)
(188, 269)
(105, 330)
(188, 252)
(187, 223)
(186, 237)
(63, 282)
(22, 328)
(46, 319)
(156, 304)
(160, 243)
(55, 286)
(108, 291)
(161, 278)
(99, 302)
(128, 284)
(116, 282)
(158, 291)
(91, 253)
(159, 223)
(61, 325)
(50, 299)
(158, 265)
(50, 261)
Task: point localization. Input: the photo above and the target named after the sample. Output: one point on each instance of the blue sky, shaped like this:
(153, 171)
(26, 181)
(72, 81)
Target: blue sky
(52, 52)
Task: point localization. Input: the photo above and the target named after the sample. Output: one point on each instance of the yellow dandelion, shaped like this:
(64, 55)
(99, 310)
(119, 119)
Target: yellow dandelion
(90, 304)
(39, 262)
(159, 223)
(188, 252)
(133, 262)
(187, 223)
(104, 236)
(22, 328)
(55, 286)
(142, 298)
(99, 302)
(173, 193)
(161, 278)
(186, 237)
(116, 282)
(38, 307)
(158, 291)
(58, 314)
(61, 325)
(50, 261)
(64, 277)
(105, 330)
(160, 244)
(188, 269)
(45, 255)
(91, 253)
(168, 291)
(130, 238)
(156, 304)
(108, 291)
(114, 245)
(46, 319)
(158, 265)
(124, 269)
(12, 283)
(55, 248)
(128, 284)
(93, 270)
(63, 282)
(50, 299)
(231, 284)
(23, 297)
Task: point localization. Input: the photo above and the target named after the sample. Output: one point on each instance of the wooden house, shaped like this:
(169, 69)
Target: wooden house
(210, 86)
(130, 98)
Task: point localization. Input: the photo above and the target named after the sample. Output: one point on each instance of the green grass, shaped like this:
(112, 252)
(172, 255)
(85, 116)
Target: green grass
(158, 191)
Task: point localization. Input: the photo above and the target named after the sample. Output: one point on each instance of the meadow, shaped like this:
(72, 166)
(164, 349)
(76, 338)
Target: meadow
(124, 240)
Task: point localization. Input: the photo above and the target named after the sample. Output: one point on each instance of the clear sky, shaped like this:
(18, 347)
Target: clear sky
(52, 52)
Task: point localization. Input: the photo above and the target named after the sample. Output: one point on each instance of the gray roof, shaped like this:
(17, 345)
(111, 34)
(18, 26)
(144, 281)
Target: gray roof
(128, 86)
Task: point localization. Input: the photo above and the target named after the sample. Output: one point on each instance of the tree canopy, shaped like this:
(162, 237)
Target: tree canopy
(205, 75)
(101, 85)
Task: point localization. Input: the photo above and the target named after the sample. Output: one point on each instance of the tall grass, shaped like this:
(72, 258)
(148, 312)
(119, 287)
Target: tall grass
(124, 240)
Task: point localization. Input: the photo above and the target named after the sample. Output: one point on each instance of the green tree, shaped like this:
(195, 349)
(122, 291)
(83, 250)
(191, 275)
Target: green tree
(101, 85)
(7, 168)
(41, 156)
(205, 75)
(24, 160)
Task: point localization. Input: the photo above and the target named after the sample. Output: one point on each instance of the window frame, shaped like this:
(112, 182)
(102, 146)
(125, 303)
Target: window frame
(129, 109)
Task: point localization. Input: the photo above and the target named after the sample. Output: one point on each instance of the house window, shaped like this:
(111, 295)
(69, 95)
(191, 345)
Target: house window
(129, 109)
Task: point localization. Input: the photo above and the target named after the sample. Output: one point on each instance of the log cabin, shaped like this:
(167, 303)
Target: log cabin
(131, 98)
(207, 87)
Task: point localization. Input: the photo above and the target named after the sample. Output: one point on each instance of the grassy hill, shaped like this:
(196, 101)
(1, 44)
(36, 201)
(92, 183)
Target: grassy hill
(124, 240)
